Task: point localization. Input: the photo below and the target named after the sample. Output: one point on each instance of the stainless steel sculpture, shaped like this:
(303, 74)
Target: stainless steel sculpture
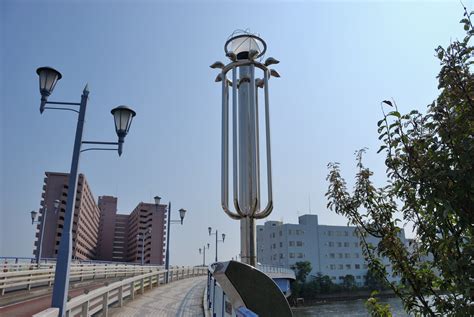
(245, 51)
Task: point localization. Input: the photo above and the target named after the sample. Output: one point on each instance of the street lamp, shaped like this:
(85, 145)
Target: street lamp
(203, 251)
(48, 78)
(42, 222)
(143, 236)
(217, 237)
(244, 51)
(182, 213)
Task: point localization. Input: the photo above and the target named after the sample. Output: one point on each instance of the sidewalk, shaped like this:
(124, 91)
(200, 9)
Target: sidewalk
(182, 298)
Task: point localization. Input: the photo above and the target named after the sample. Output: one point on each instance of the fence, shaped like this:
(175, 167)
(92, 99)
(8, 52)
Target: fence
(99, 300)
(23, 276)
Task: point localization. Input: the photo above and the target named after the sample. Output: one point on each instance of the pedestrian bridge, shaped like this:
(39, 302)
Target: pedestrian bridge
(112, 289)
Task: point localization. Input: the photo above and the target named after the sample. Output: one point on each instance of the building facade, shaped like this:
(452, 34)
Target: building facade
(99, 232)
(85, 229)
(332, 250)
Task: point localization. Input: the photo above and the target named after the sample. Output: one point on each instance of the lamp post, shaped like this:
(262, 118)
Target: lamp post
(42, 222)
(143, 236)
(182, 213)
(48, 78)
(217, 237)
(203, 251)
(244, 51)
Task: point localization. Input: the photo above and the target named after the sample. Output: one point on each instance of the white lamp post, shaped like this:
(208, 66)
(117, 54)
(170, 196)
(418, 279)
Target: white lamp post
(244, 49)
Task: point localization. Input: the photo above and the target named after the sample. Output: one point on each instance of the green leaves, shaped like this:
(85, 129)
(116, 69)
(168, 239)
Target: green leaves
(430, 184)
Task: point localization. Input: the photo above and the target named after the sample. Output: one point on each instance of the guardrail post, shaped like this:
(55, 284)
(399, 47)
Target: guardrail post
(81, 274)
(120, 296)
(105, 305)
(142, 285)
(85, 309)
(132, 290)
(29, 282)
(151, 281)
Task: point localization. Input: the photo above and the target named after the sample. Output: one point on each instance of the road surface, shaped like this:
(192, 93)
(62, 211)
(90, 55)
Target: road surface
(181, 298)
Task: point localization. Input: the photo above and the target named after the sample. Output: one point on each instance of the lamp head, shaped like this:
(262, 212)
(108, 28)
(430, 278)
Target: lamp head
(33, 216)
(48, 77)
(157, 200)
(56, 204)
(182, 213)
(223, 237)
(244, 45)
(123, 117)
(200, 251)
(210, 230)
(208, 245)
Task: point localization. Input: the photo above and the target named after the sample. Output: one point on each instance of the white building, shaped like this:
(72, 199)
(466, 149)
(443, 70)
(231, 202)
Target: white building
(332, 250)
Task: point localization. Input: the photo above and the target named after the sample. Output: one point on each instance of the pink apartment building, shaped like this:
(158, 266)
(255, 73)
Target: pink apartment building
(99, 232)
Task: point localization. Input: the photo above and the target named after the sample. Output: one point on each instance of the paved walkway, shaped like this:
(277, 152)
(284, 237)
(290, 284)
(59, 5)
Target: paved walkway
(179, 299)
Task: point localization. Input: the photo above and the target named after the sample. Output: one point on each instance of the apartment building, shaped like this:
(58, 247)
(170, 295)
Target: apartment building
(332, 250)
(99, 231)
(85, 228)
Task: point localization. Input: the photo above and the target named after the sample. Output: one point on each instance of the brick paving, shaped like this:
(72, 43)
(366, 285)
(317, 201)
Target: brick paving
(181, 298)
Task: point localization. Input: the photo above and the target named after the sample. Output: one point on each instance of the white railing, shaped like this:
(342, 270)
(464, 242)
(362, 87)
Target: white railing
(8, 264)
(44, 275)
(99, 300)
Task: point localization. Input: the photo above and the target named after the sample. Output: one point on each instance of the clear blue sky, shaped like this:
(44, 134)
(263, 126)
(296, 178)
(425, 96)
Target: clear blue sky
(338, 61)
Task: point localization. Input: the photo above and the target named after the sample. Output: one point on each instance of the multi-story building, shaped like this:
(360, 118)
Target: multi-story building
(99, 232)
(85, 228)
(142, 234)
(332, 250)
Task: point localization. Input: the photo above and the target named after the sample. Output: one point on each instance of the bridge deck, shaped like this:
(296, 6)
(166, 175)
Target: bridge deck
(182, 298)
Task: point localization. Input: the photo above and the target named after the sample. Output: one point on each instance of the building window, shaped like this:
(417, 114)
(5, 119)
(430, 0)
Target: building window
(300, 255)
(340, 267)
(357, 266)
(299, 243)
(339, 255)
(281, 244)
(292, 255)
(329, 233)
(348, 266)
(280, 233)
(290, 231)
(333, 278)
(341, 277)
(331, 255)
(281, 255)
(358, 277)
(333, 266)
(346, 234)
(331, 243)
(346, 244)
(339, 244)
(347, 255)
(292, 243)
(356, 255)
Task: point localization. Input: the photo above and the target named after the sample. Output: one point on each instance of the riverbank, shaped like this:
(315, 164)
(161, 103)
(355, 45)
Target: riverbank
(341, 296)
(347, 308)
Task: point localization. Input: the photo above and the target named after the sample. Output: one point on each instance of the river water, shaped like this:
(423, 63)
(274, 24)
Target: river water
(355, 308)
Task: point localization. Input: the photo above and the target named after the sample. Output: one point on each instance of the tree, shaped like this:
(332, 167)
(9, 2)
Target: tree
(302, 269)
(349, 282)
(374, 281)
(429, 160)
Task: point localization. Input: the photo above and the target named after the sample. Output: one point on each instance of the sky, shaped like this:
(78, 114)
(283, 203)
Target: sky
(338, 61)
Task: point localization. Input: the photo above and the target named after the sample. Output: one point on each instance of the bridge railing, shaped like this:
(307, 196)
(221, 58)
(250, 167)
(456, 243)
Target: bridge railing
(44, 275)
(8, 264)
(99, 300)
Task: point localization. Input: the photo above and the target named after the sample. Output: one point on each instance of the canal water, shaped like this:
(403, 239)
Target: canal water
(354, 308)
